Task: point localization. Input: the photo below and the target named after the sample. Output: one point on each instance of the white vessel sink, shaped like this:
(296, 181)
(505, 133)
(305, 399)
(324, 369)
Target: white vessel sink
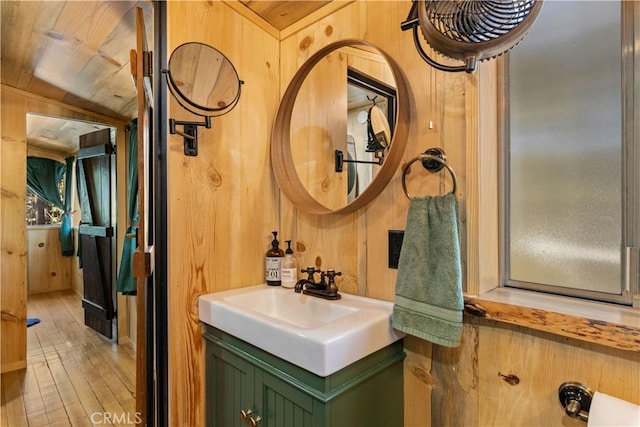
(318, 335)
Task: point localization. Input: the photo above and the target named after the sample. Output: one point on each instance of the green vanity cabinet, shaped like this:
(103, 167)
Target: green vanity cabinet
(241, 377)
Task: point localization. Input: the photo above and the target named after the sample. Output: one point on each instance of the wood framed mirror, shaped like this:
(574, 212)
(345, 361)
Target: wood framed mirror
(313, 122)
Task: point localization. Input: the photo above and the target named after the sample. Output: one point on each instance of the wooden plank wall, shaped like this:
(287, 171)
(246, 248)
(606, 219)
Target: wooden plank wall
(15, 105)
(47, 269)
(356, 243)
(224, 203)
(499, 368)
(74, 270)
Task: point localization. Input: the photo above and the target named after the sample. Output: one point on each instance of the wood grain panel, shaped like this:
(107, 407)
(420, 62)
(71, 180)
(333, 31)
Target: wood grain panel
(482, 183)
(225, 215)
(455, 372)
(47, 269)
(624, 337)
(56, 135)
(75, 52)
(85, 23)
(104, 78)
(140, 270)
(447, 115)
(220, 227)
(281, 14)
(13, 409)
(520, 368)
(388, 210)
(418, 382)
(357, 243)
(72, 373)
(325, 241)
(14, 240)
(24, 35)
(38, 151)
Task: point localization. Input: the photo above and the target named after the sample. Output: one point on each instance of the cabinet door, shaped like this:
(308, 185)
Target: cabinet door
(282, 405)
(230, 388)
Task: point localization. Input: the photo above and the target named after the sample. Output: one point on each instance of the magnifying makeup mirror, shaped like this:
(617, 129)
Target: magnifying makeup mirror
(204, 82)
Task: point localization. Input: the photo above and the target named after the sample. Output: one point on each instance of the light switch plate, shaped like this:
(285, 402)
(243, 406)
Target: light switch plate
(395, 244)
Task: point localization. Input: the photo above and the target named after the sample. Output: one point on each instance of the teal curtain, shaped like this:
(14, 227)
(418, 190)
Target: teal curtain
(43, 176)
(79, 176)
(126, 283)
(66, 228)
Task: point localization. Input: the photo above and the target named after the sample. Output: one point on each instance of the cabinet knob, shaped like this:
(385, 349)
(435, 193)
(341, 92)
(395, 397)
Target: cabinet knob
(255, 422)
(245, 415)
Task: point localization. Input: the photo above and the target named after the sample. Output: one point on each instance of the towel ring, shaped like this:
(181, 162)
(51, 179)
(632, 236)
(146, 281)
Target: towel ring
(427, 158)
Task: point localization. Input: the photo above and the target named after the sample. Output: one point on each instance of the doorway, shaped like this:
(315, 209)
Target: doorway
(47, 270)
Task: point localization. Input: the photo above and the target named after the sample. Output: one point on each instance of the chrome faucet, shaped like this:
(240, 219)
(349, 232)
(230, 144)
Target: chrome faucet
(320, 289)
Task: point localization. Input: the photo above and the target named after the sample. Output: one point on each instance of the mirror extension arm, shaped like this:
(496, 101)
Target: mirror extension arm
(339, 156)
(190, 133)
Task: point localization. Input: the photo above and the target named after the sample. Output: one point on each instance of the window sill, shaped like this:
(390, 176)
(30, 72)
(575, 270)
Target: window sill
(42, 226)
(600, 323)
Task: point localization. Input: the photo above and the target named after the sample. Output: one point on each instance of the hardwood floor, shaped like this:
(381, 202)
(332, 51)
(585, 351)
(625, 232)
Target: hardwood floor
(74, 377)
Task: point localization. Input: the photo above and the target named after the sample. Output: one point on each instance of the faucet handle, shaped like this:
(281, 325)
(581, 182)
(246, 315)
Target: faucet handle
(310, 271)
(331, 275)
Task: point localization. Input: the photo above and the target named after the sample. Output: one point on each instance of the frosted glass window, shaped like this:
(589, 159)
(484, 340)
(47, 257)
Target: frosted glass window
(565, 149)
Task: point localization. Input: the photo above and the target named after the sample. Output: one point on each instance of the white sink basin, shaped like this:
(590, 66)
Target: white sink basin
(318, 335)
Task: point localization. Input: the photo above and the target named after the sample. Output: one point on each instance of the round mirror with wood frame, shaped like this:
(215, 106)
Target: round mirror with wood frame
(284, 162)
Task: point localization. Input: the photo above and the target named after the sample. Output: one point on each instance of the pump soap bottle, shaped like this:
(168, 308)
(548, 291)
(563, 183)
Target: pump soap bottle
(289, 268)
(274, 262)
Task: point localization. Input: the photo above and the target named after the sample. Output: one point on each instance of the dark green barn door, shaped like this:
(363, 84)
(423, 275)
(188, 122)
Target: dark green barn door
(96, 189)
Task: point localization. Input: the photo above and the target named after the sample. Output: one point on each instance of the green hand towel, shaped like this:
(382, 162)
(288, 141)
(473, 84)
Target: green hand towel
(429, 299)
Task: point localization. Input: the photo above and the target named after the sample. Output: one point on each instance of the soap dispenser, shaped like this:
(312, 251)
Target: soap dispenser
(289, 268)
(274, 262)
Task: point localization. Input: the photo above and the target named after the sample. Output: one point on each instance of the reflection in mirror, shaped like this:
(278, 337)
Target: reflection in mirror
(371, 109)
(203, 77)
(344, 112)
(312, 125)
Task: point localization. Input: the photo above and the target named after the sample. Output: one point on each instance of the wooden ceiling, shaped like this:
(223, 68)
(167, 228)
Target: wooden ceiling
(281, 14)
(77, 52)
(58, 134)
